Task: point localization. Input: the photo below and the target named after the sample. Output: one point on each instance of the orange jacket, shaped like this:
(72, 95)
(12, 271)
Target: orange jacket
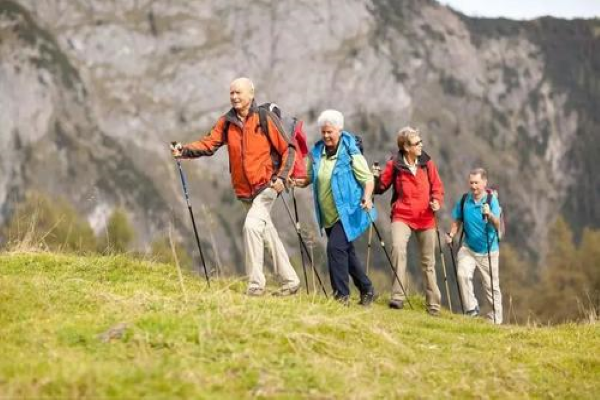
(253, 161)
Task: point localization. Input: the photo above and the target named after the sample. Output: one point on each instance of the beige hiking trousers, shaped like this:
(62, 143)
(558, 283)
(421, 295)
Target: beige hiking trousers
(400, 235)
(258, 232)
(468, 262)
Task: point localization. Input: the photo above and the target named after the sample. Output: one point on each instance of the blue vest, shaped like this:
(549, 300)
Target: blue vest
(347, 191)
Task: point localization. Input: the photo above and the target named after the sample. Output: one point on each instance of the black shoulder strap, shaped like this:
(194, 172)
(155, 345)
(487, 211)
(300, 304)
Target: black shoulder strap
(462, 219)
(226, 130)
(396, 194)
(488, 200)
(462, 206)
(264, 123)
(429, 180)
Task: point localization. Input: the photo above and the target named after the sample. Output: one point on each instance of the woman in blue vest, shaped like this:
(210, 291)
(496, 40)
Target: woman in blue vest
(342, 189)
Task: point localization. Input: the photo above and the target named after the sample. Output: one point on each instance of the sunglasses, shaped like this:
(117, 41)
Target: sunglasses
(416, 144)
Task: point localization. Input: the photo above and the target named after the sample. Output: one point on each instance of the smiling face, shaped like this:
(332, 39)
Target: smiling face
(330, 135)
(414, 146)
(241, 94)
(477, 184)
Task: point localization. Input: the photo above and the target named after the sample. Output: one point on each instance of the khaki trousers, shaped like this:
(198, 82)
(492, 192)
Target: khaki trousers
(258, 231)
(468, 262)
(400, 235)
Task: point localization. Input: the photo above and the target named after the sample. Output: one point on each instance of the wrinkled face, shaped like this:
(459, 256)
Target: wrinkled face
(330, 135)
(414, 146)
(477, 185)
(240, 95)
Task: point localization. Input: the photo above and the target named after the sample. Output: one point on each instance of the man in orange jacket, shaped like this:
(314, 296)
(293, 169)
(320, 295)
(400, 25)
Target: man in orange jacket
(259, 166)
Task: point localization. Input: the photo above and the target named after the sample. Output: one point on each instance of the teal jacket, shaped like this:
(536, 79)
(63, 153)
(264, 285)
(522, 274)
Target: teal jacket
(347, 191)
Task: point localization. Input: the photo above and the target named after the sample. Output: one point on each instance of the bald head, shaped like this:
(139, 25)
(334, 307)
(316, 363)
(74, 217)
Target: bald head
(241, 94)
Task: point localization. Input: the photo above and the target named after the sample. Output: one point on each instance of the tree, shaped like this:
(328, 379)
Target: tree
(160, 251)
(119, 233)
(50, 224)
(589, 259)
(516, 277)
(561, 288)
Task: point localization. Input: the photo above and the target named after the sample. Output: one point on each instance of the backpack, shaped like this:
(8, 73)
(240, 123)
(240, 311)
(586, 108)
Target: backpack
(491, 192)
(288, 125)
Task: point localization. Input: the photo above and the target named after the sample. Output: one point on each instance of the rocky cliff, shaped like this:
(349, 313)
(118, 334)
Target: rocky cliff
(519, 98)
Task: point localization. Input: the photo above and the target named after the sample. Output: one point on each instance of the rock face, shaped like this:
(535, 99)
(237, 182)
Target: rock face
(50, 141)
(519, 98)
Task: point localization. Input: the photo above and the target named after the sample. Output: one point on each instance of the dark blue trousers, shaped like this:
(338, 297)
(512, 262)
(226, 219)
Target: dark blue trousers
(342, 261)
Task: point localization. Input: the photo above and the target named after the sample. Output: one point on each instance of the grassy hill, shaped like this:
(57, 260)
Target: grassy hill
(113, 327)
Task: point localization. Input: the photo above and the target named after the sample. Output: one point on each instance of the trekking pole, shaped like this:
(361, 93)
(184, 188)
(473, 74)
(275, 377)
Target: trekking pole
(462, 307)
(382, 243)
(369, 247)
(437, 231)
(487, 240)
(299, 231)
(187, 200)
(376, 169)
(287, 207)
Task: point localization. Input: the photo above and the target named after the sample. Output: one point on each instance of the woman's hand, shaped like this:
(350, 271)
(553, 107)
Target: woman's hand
(366, 204)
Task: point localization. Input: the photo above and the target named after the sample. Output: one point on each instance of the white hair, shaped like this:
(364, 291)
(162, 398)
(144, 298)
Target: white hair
(331, 117)
(244, 81)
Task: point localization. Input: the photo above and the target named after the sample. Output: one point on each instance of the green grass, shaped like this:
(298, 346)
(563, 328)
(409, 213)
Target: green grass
(221, 344)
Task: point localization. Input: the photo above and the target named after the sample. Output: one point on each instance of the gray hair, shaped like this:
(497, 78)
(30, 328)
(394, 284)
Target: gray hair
(479, 171)
(331, 117)
(405, 134)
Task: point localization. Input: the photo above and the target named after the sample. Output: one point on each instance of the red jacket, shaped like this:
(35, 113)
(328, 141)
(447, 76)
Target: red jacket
(251, 159)
(412, 193)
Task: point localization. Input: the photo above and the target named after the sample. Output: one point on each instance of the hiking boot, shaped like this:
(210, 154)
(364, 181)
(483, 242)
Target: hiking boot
(367, 299)
(473, 313)
(434, 312)
(255, 291)
(343, 300)
(396, 304)
(286, 291)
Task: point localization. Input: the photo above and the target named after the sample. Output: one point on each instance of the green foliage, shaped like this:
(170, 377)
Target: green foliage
(516, 283)
(115, 328)
(44, 223)
(119, 233)
(567, 279)
(160, 251)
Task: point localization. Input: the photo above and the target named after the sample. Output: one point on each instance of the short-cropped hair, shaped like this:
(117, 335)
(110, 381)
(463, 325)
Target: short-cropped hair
(331, 117)
(405, 134)
(479, 171)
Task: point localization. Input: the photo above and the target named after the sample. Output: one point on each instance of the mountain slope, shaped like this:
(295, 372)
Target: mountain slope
(50, 140)
(519, 98)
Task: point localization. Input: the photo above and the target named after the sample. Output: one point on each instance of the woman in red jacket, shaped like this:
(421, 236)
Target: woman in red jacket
(418, 193)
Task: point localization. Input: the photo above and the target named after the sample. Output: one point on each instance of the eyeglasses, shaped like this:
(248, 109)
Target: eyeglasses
(420, 142)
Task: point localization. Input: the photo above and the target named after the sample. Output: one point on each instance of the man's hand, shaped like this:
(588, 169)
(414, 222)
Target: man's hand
(366, 204)
(449, 238)
(376, 169)
(278, 185)
(435, 205)
(485, 210)
(176, 149)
